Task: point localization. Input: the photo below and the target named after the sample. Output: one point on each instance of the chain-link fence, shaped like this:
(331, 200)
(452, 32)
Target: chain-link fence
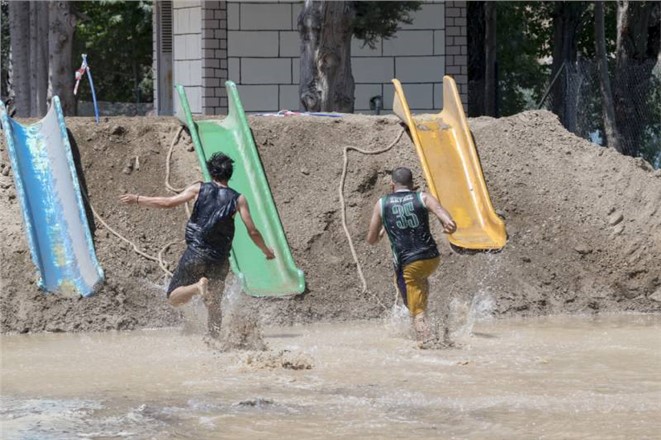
(574, 94)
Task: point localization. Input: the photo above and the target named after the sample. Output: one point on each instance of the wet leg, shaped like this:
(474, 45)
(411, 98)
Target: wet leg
(181, 295)
(213, 302)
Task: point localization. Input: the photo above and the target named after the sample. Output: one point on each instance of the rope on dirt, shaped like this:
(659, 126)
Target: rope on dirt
(343, 208)
(159, 258)
(168, 158)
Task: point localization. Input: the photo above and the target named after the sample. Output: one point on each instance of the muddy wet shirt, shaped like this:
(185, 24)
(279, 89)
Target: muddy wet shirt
(406, 220)
(210, 229)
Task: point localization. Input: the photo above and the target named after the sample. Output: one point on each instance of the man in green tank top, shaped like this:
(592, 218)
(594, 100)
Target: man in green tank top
(404, 216)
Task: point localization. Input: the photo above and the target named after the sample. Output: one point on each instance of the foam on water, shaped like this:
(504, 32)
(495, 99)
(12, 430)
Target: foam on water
(63, 419)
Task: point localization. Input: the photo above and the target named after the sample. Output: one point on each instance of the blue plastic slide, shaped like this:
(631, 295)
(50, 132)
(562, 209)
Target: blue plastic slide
(49, 193)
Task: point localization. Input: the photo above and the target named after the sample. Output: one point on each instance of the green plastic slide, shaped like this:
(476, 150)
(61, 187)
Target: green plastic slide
(232, 136)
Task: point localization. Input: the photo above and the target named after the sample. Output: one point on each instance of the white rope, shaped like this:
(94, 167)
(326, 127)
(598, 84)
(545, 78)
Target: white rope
(159, 259)
(343, 208)
(175, 140)
(168, 157)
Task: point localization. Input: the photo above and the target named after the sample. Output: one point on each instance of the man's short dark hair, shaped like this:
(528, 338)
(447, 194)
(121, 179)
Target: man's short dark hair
(402, 176)
(220, 166)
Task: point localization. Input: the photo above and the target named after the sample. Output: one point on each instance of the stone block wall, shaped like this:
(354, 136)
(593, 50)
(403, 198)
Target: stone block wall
(200, 54)
(214, 57)
(263, 54)
(456, 42)
(256, 45)
(187, 51)
(264, 50)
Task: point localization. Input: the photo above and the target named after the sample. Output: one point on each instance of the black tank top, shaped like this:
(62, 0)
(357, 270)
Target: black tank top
(210, 229)
(406, 221)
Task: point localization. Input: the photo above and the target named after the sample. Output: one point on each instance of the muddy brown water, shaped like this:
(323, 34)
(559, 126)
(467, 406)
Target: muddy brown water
(552, 378)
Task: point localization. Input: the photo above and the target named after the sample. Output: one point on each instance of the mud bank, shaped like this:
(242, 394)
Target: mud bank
(583, 222)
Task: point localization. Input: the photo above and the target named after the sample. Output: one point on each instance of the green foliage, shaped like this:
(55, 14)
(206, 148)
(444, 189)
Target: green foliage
(523, 39)
(380, 19)
(117, 38)
(651, 139)
(586, 43)
(4, 54)
(525, 48)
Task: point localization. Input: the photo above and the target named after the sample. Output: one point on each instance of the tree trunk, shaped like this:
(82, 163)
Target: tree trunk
(476, 58)
(608, 110)
(326, 82)
(566, 21)
(636, 55)
(61, 73)
(490, 84)
(19, 30)
(38, 58)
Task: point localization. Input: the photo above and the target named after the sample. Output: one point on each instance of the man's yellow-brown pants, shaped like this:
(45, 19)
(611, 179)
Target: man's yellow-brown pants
(412, 282)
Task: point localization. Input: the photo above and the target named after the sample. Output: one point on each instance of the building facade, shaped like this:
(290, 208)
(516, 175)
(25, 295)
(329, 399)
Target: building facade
(201, 44)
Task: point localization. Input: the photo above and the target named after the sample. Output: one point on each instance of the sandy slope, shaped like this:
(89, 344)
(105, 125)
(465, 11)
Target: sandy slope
(583, 222)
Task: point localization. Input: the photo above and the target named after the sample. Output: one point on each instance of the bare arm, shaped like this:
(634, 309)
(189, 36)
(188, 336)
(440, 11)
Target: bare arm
(163, 202)
(375, 230)
(433, 205)
(254, 233)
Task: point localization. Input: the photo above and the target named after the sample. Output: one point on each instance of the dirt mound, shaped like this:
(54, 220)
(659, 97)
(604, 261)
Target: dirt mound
(583, 223)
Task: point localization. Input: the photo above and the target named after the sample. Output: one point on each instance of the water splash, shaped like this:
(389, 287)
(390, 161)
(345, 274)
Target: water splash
(238, 323)
(451, 320)
(463, 315)
(195, 317)
(53, 419)
(233, 295)
(398, 321)
(240, 329)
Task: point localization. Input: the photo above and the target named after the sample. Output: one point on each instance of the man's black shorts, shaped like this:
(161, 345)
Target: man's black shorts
(192, 266)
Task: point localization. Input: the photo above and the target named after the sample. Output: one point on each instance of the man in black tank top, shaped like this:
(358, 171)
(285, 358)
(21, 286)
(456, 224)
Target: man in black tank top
(209, 235)
(404, 216)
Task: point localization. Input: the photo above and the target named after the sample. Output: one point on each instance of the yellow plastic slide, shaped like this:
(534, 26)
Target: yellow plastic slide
(452, 169)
